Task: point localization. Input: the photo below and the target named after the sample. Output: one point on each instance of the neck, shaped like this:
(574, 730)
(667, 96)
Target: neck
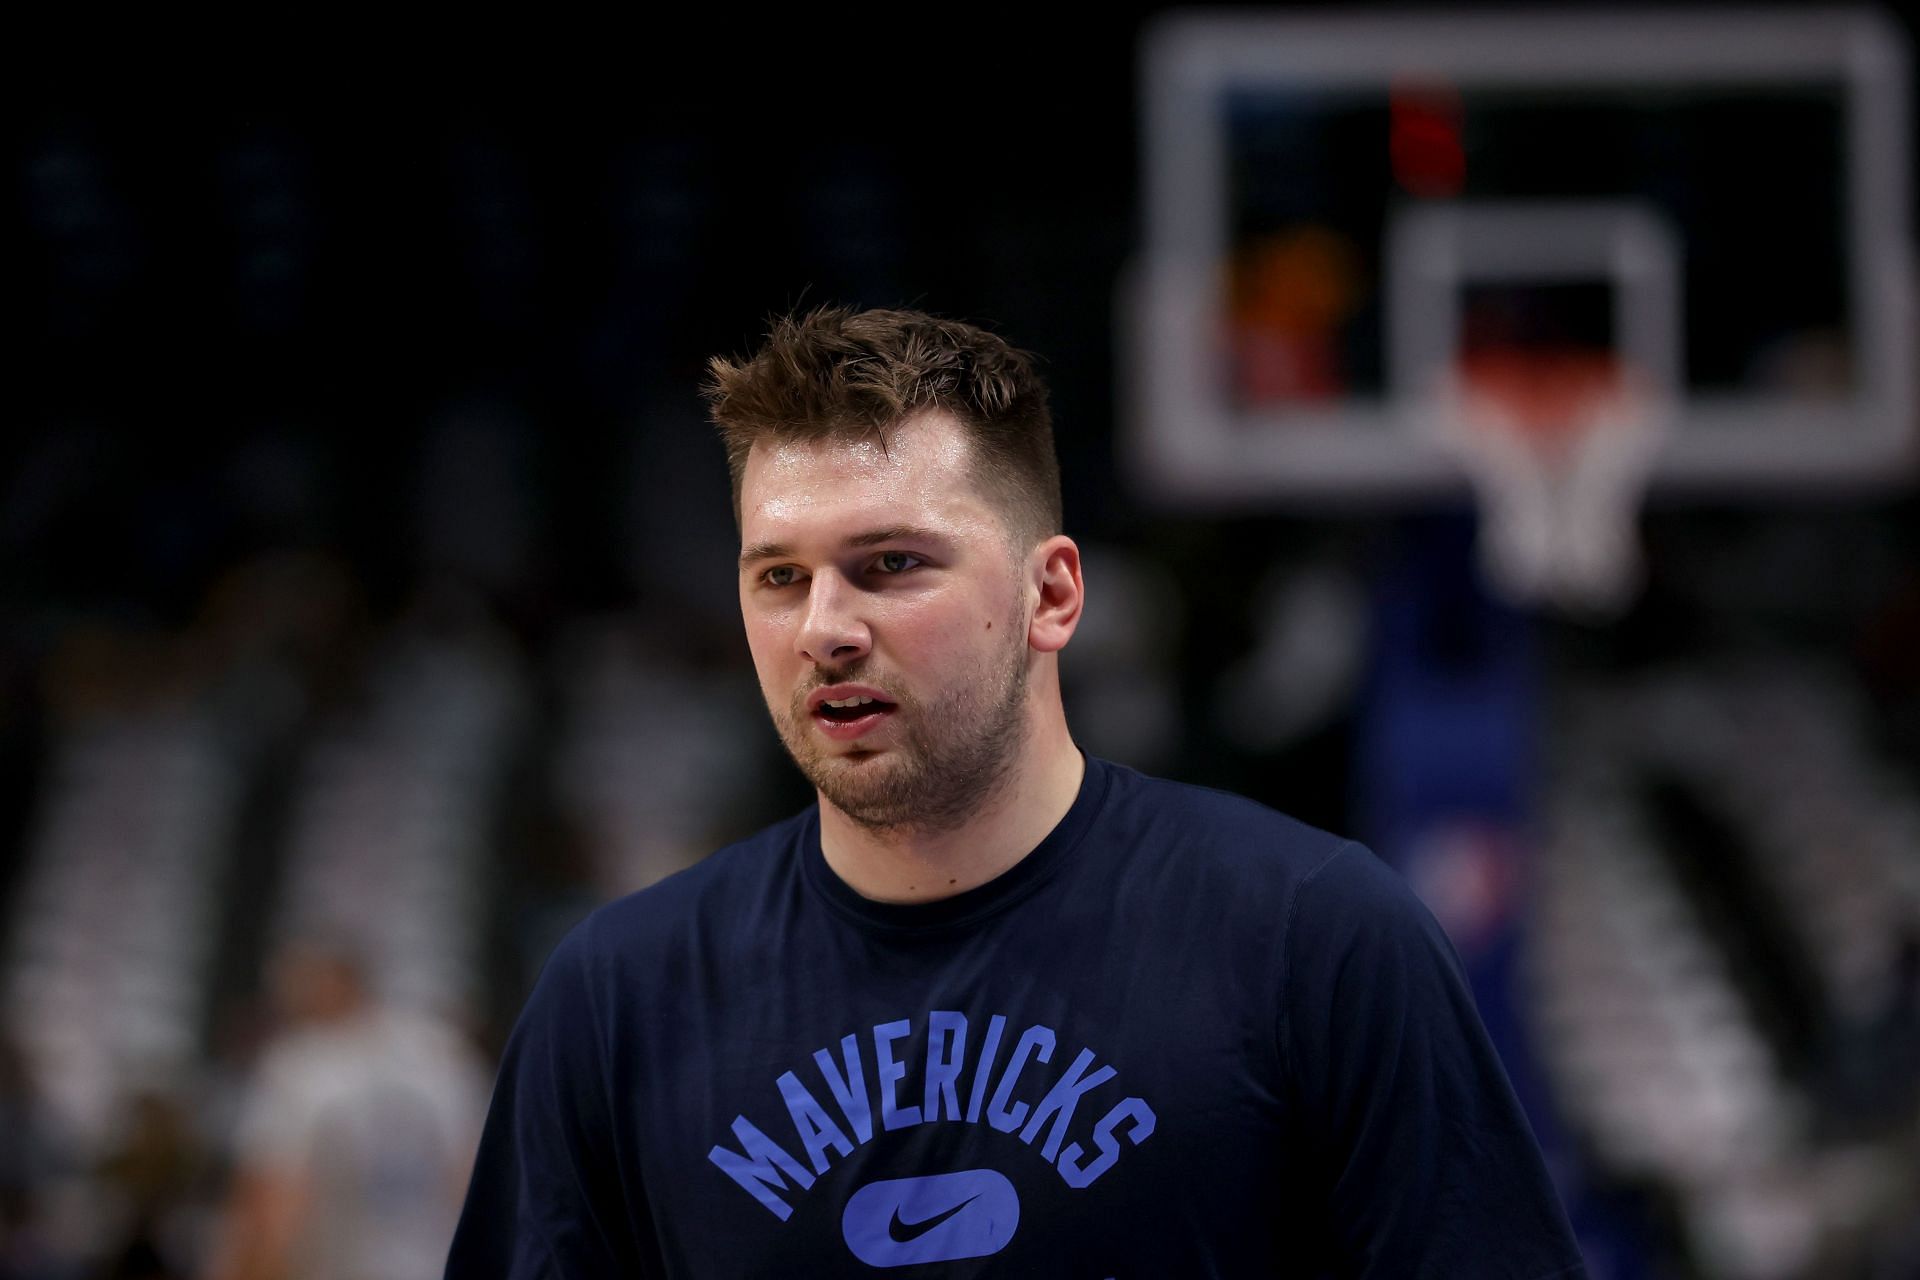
(912, 865)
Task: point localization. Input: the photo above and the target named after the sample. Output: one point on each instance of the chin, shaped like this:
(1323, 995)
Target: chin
(871, 787)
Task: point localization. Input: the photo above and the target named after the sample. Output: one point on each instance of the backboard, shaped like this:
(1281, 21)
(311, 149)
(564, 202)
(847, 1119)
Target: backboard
(1341, 210)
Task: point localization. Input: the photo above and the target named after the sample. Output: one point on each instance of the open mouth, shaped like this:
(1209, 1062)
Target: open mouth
(849, 714)
(845, 719)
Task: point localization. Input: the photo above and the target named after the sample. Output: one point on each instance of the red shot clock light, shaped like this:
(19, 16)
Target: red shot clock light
(1424, 146)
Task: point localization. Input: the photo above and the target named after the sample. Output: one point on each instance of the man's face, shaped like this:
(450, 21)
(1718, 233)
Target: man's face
(885, 574)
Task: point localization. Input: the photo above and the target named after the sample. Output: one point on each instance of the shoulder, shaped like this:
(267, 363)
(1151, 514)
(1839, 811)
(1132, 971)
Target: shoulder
(725, 891)
(1246, 867)
(1213, 832)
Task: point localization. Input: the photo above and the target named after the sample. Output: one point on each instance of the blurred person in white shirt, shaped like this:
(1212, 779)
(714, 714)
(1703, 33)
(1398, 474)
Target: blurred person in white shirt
(356, 1138)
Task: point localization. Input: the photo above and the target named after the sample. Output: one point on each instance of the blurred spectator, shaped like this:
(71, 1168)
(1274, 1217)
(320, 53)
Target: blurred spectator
(150, 1173)
(23, 1161)
(1876, 1066)
(354, 1144)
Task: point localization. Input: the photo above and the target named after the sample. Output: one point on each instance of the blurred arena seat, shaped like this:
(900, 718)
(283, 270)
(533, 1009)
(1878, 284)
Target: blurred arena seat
(392, 837)
(1664, 1033)
(107, 975)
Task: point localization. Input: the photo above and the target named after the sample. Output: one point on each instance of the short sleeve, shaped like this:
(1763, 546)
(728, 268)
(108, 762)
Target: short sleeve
(1427, 1164)
(282, 1109)
(548, 1198)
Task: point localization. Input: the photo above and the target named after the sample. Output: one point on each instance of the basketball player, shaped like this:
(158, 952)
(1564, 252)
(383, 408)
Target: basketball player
(990, 1003)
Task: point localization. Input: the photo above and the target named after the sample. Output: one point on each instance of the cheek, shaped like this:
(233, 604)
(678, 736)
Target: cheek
(955, 630)
(767, 642)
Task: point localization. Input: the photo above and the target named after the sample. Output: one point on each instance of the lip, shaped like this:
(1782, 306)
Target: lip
(848, 730)
(841, 692)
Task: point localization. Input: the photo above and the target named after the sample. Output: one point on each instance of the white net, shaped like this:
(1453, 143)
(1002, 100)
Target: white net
(1559, 455)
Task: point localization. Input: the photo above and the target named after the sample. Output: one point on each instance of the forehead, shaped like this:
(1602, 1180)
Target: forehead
(922, 475)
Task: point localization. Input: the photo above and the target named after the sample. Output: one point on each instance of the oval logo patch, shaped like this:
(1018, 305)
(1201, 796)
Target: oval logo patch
(937, 1218)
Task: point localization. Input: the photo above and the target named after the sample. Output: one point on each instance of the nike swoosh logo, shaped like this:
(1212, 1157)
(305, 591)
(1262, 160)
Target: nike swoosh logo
(935, 1217)
(907, 1232)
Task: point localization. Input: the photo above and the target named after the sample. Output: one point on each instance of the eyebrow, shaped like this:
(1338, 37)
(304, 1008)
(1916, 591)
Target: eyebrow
(870, 538)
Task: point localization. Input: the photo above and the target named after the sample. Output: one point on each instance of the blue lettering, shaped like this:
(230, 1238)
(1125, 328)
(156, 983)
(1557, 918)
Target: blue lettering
(849, 1090)
(1061, 1100)
(768, 1171)
(890, 1073)
(983, 1069)
(946, 1046)
(1127, 1108)
(817, 1129)
(1035, 1041)
(756, 1171)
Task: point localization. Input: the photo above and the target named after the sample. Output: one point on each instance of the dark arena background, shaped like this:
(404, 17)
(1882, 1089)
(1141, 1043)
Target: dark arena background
(367, 605)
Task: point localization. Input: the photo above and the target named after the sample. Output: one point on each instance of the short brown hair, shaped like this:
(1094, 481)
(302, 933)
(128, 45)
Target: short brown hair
(840, 372)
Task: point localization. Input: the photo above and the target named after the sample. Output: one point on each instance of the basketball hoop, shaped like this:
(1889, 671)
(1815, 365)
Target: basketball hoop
(1558, 444)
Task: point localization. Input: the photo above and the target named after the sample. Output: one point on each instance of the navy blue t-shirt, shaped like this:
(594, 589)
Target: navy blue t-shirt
(1185, 1036)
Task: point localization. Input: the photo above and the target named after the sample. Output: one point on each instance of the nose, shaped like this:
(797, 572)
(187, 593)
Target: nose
(833, 631)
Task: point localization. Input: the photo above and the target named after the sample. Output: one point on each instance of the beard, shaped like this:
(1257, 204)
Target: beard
(950, 753)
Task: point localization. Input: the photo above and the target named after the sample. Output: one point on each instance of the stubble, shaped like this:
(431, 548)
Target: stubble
(949, 755)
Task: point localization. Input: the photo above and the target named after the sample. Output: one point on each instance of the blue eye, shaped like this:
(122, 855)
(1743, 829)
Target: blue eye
(781, 575)
(896, 561)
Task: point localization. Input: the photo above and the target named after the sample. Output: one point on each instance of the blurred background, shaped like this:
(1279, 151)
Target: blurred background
(367, 610)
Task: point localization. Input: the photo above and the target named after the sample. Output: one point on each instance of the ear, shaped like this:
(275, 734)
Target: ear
(1053, 572)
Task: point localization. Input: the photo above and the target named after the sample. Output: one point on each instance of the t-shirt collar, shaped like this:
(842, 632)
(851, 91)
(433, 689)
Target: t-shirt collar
(1011, 885)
